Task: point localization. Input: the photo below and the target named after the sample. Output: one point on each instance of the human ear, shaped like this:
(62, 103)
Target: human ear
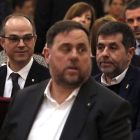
(131, 52)
(47, 55)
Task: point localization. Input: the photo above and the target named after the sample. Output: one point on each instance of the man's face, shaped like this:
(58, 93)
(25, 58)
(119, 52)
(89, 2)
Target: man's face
(111, 56)
(133, 20)
(18, 52)
(69, 58)
(27, 8)
(116, 7)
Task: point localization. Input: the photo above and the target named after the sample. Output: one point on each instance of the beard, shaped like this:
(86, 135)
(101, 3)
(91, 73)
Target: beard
(70, 80)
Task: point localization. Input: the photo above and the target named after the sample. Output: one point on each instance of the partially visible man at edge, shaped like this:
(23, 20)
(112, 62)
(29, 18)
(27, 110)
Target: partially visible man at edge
(132, 15)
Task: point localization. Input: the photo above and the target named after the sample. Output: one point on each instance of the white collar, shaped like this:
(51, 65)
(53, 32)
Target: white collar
(23, 72)
(115, 80)
(137, 43)
(48, 94)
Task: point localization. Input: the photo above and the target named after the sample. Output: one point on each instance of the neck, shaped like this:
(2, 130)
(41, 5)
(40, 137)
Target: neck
(59, 93)
(116, 17)
(16, 66)
(108, 80)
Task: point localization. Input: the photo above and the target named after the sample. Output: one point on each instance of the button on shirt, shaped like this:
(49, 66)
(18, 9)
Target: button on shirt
(21, 80)
(51, 117)
(115, 80)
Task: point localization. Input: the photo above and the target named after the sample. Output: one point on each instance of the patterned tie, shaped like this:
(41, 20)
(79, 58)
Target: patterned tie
(16, 87)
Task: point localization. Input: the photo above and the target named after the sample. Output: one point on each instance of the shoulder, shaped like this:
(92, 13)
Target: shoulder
(98, 77)
(40, 59)
(3, 68)
(38, 69)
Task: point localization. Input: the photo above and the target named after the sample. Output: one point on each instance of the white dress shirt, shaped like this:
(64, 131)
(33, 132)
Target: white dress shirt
(21, 80)
(115, 80)
(51, 117)
(137, 49)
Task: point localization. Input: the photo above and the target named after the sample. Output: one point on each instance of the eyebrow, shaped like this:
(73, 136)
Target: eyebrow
(113, 43)
(23, 35)
(99, 44)
(69, 44)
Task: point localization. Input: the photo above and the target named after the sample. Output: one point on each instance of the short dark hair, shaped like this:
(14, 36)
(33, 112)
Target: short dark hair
(110, 2)
(16, 15)
(134, 4)
(64, 26)
(19, 3)
(117, 27)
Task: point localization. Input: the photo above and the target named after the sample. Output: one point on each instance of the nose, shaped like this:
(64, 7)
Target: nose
(74, 55)
(105, 52)
(135, 23)
(21, 43)
(82, 19)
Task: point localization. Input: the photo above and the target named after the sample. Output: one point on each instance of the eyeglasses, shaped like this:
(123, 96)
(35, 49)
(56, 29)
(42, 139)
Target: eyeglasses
(28, 40)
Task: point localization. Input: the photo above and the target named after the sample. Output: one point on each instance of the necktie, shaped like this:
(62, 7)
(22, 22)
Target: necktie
(16, 87)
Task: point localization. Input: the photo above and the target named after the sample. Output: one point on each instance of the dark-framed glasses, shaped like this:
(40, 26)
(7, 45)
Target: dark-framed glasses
(16, 39)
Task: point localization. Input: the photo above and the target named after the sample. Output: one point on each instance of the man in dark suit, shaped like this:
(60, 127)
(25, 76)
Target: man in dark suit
(115, 50)
(18, 38)
(132, 15)
(71, 105)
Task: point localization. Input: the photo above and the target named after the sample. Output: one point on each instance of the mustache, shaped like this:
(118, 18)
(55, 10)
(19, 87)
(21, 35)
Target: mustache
(73, 66)
(105, 61)
(136, 30)
(20, 50)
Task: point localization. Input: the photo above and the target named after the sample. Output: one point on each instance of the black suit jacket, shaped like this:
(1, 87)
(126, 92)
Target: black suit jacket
(130, 90)
(37, 72)
(97, 114)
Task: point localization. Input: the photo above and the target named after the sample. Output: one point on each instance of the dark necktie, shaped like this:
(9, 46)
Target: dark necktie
(16, 87)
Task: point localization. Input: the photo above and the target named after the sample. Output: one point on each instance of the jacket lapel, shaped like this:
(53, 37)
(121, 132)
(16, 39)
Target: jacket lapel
(30, 110)
(81, 107)
(3, 73)
(127, 82)
(33, 75)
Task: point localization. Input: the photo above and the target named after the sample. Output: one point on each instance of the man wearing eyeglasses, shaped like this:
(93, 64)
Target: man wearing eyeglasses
(18, 39)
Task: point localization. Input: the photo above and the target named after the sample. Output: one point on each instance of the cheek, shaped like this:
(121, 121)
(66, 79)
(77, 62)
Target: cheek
(87, 24)
(98, 56)
(59, 60)
(75, 19)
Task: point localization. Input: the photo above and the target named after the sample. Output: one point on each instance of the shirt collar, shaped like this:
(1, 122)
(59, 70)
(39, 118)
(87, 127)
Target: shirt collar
(115, 80)
(137, 43)
(48, 94)
(23, 72)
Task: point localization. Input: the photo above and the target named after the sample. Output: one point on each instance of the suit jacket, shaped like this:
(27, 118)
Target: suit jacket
(130, 90)
(36, 72)
(97, 114)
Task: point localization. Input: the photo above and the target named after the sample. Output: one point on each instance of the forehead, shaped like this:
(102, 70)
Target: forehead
(117, 1)
(88, 12)
(73, 37)
(19, 24)
(132, 13)
(110, 38)
(27, 3)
